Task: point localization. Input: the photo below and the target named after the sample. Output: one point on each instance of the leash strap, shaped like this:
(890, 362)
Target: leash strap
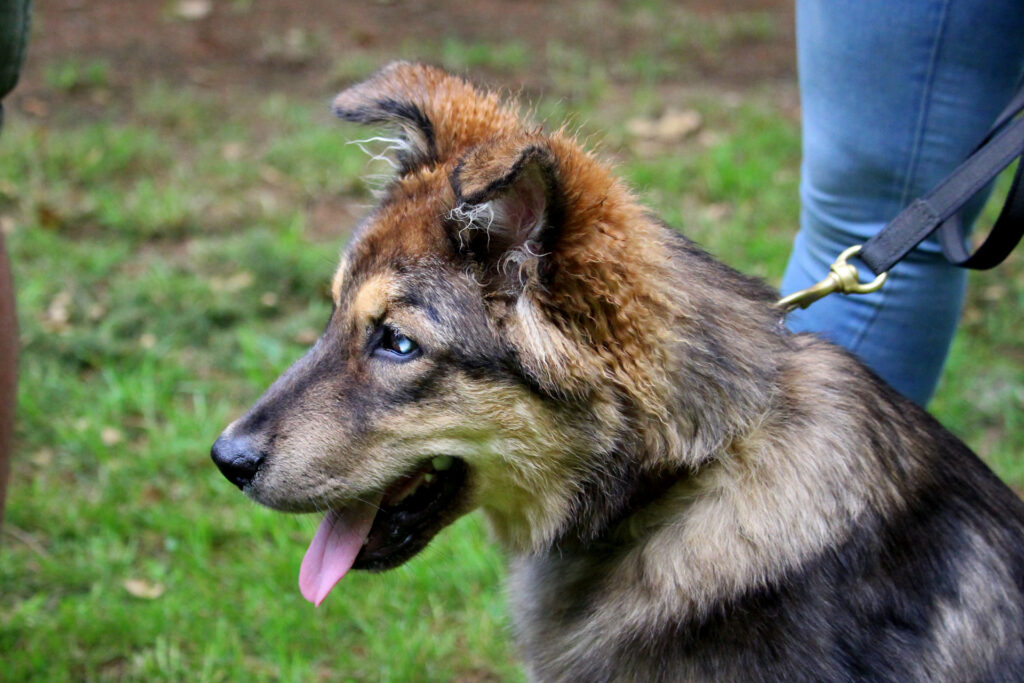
(940, 208)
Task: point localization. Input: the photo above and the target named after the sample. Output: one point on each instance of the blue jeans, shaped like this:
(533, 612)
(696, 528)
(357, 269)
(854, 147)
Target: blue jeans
(895, 94)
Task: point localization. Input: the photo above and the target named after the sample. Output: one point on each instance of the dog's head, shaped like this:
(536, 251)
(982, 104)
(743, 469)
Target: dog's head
(500, 327)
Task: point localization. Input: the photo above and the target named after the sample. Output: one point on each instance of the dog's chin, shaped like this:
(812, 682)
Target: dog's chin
(411, 512)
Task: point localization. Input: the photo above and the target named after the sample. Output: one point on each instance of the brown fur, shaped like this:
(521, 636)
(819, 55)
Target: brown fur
(685, 489)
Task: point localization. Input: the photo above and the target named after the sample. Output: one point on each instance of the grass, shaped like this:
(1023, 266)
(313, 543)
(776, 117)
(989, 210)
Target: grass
(169, 264)
(72, 75)
(981, 396)
(461, 55)
(673, 38)
(161, 284)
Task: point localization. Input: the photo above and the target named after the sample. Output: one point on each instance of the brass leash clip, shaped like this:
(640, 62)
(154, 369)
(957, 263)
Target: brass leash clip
(842, 277)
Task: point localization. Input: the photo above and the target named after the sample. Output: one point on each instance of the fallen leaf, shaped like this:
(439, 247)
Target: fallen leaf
(717, 212)
(233, 283)
(111, 436)
(43, 457)
(56, 316)
(674, 125)
(270, 175)
(146, 590)
(95, 312)
(232, 151)
(640, 127)
(193, 10)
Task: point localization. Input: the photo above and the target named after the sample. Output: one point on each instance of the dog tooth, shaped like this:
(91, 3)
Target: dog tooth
(442, 462)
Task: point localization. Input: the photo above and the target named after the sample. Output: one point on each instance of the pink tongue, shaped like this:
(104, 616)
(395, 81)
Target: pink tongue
(334, 549)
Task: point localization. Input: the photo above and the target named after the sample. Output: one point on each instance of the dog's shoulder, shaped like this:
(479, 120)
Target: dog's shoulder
(850, 530)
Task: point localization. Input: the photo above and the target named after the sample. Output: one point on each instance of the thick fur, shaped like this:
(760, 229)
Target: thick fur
(686, 490)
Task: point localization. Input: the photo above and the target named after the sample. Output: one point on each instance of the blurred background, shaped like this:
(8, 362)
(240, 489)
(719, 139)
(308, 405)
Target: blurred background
(175, 193)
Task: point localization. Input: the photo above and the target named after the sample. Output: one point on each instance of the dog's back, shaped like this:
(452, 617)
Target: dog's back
(686, 490)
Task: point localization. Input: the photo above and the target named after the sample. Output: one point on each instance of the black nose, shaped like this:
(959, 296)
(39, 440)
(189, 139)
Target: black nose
(237, 457)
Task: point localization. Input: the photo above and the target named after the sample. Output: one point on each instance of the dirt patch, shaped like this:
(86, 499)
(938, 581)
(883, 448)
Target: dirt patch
(313, 47)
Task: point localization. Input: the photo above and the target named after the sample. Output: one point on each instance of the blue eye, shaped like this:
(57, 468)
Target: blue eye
(402, 344)
(395, 343)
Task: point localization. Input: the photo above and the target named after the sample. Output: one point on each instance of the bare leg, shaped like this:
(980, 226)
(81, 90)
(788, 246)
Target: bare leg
(8, 370)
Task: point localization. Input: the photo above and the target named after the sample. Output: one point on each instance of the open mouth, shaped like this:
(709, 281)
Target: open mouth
(385, 531)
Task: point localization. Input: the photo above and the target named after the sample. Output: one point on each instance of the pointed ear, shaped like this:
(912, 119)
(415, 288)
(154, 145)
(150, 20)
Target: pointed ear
(509, 205)
(437, 115)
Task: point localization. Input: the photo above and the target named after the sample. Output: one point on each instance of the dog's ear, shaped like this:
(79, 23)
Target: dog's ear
(509, 205)
(437, 115)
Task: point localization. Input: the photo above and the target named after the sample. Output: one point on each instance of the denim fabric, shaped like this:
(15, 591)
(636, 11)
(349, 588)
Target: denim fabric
(895, 94)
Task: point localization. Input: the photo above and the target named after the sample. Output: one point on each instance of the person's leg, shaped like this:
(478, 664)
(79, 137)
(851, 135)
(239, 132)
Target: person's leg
(14, 29)
(895, 94)
(8, 370)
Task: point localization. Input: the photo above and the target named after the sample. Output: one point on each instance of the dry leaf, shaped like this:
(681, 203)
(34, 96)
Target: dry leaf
(111, 436)
(146, 590)
(233, 283)
(232, 151)
(193, 10)
(641, 128)
(671, 127)
(56, 316)
(676, 125)
(95, 312)
(43, 457)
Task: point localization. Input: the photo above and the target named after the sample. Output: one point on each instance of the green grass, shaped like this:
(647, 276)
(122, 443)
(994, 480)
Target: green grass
(460, 55)
(674, 39)
(74, 75)
(981, 397)
(162, 283)
(734, 194)
(168, 267)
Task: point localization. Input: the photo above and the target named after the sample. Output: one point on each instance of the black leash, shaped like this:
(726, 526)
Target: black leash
(940, 210)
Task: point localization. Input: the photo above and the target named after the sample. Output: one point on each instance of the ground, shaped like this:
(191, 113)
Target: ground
(300, 47)
(175, 193)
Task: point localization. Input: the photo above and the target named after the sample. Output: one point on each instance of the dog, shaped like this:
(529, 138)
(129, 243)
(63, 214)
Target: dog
(686, 491)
